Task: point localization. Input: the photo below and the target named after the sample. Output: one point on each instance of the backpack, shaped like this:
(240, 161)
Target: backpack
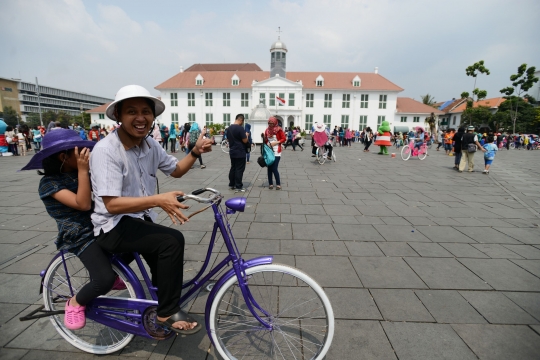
(193, 136)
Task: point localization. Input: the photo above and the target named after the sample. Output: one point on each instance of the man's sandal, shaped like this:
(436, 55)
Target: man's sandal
(180, 316)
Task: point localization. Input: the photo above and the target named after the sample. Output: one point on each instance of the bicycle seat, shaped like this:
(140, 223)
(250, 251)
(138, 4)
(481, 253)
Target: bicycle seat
(236, 204)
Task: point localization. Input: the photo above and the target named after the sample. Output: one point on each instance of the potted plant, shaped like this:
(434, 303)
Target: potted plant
(216, 132)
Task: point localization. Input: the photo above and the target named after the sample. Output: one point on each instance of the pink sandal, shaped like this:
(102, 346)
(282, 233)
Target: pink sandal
(119, 284)
(74, 317)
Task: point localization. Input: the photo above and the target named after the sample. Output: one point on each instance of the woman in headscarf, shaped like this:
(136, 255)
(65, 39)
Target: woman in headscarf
(274, 137)
(172, 137)
(194, 134)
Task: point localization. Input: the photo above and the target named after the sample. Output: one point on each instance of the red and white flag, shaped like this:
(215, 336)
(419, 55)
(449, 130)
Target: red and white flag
(281, 101)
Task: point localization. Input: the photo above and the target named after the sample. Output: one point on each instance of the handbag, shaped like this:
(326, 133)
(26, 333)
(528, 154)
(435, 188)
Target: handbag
(268, 154)
(471, 148)
(37, 136)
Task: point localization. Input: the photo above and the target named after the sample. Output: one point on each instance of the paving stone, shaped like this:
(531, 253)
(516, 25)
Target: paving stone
(395, 220)
(444, 234)
(358, 233)
(16, 237)
(12, 354)
(380, 272)
(501, 274)
(396, 249)
(31, 265)
(270, 231)
(293, 218)
(263, 247)
(497, 251)
(497, 308)
(445, 221)
(430, 250)
(487, 235)
(18, 288)
(360, 340)
(352, 304)
(529, 302)
(426, 341)
(15, 327)
(524, 235)
(532, 266)
(313, 232)
(9, 311)
(330, 271)
(307, 209)
(343, 219)
(500, 342)
(359, 248)
(335, 248)
(400, 233)
(297, 247)
(418, 220)
(526, 251)
(375, 211)
(448, 306)
(368, 220)
(464, 250)
(400, 305)
(442, 273)
(318, 219)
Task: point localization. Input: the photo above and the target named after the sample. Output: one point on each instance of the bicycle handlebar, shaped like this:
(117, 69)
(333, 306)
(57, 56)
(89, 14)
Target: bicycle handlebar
(193, 196)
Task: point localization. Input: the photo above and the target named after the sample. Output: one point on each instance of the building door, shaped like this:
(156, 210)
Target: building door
(279, 120)
(290, 119)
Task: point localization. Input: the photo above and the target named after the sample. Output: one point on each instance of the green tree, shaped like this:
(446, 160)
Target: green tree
(427, 99)
(474, 70)
(525, 118)
(478, 116)
(33, 120)
(10, 115)
(521, 83)
(83, 120)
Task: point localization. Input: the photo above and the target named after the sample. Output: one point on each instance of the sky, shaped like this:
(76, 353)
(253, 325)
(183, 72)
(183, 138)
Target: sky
(96, 47)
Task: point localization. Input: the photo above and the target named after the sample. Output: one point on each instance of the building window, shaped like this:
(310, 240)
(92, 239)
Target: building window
(403, 119)
(327, 121)
(380, 119)
(454, 120)
(226, 99)
(364, 98)
(346, 103)
(362, 124)
(246, 117)
(356, 83)
(344, 121)
(191, 99)
(291, 99)
(209, 119)
(309, 121)
(282, 96)
(309, 101)
(235, 82)
(272, 99)
(319, 83)
(262, 98)
(208, 99)
(416, 119)
(198, 82)
(382, 101)
(174, 118)
(227, 119)
(174, 99)
(327, 100)
(191, 118)
(245, 100)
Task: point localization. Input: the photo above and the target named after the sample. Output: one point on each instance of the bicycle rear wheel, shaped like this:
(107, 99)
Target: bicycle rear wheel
(406, 153)
(321, 157)
(225, 146)
(94, 338)
(299, 311)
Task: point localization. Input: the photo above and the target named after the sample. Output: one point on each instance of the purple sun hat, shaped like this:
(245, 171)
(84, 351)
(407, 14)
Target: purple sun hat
(55, 141)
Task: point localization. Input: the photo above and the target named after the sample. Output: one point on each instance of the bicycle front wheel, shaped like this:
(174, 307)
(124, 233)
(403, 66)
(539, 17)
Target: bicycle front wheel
(321, 156)
(94, 338)
(406, 153)
(422, 153)
(298, 309)
(225, 146)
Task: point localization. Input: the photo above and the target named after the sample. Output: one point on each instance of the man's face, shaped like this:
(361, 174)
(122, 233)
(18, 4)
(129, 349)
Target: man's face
(136, 117)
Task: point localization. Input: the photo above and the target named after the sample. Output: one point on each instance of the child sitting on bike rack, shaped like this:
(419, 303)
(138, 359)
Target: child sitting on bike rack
(65, 191)
(322, 138)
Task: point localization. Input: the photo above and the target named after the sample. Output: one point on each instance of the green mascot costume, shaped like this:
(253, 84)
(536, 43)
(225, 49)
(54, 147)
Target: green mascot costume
(383, 138)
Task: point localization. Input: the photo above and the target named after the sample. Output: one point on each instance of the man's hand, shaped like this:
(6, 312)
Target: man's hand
(203, 145)
(169, 203)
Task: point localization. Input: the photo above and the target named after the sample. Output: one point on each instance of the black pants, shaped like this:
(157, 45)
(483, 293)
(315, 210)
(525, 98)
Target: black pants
(165, 144)
(273, 169)
(101, 274)
(163, 250)
(173, 144)
(296, 142)
(368, 144)
(238, 165)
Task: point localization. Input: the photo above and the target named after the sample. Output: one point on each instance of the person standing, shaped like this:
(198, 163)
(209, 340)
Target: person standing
(348, 137)
(250, 141)
(37, 138)
(274, 137)
(164, 132)
(469, 145)
(172, 138)
(457, 147)
(368, 137)
(237, 138)
(193, 136)
(489, 156)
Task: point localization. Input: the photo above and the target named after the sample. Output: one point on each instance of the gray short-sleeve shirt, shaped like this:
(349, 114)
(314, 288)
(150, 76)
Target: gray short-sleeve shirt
(125, 173)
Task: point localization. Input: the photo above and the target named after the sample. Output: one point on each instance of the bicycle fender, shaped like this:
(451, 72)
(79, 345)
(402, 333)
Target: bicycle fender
(262, 260)
(131, 277)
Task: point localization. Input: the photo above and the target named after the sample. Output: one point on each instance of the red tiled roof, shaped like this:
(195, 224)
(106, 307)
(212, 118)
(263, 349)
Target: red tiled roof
(410, 106)
(332, 80)
(99, 109)
(492, 103)
(224, 67)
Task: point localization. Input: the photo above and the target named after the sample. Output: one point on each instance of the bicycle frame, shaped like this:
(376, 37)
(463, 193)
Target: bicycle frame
(126, 314)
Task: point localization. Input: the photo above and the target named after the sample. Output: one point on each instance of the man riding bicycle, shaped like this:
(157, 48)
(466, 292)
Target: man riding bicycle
(322, 137)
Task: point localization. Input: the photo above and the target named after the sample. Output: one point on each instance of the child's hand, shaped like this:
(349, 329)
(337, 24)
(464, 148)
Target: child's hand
(83, 159)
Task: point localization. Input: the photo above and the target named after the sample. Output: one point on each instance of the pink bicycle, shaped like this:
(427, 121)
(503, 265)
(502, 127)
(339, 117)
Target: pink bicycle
(410, 149)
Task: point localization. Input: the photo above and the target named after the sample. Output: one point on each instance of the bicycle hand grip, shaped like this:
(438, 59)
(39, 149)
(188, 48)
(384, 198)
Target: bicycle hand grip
(180, 198)
(198, 192)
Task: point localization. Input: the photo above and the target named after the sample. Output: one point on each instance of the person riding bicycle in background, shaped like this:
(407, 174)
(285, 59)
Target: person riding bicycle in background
(419, 138)
(65, 191)
(322, 138)
(124, 168)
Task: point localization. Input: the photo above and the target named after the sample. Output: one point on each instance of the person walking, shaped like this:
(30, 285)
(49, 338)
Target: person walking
(172, 137)
(274, 137)
(348, 137)
(193, 136)
(469, 145)
(457, 147)
(368, 138)
(250, 141)
(237, 138)
(36, 135)
(164, 132)
(489, 155)
(297, 138)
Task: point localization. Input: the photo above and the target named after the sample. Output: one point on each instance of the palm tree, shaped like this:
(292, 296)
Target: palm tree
(427, 99)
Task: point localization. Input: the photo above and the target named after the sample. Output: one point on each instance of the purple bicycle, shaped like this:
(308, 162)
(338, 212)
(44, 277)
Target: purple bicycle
(256, 309)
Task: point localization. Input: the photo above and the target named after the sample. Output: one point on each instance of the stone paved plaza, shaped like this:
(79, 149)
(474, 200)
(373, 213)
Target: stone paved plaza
(419, 261)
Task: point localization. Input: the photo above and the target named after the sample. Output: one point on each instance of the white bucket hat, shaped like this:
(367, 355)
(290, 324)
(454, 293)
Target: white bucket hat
(133, 91)
(319, 128)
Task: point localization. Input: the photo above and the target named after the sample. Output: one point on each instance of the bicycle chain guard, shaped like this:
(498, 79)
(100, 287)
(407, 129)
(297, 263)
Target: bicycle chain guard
(149, 322)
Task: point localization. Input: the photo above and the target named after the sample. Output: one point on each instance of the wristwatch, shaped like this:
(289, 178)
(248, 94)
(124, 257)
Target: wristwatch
(195, 156)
